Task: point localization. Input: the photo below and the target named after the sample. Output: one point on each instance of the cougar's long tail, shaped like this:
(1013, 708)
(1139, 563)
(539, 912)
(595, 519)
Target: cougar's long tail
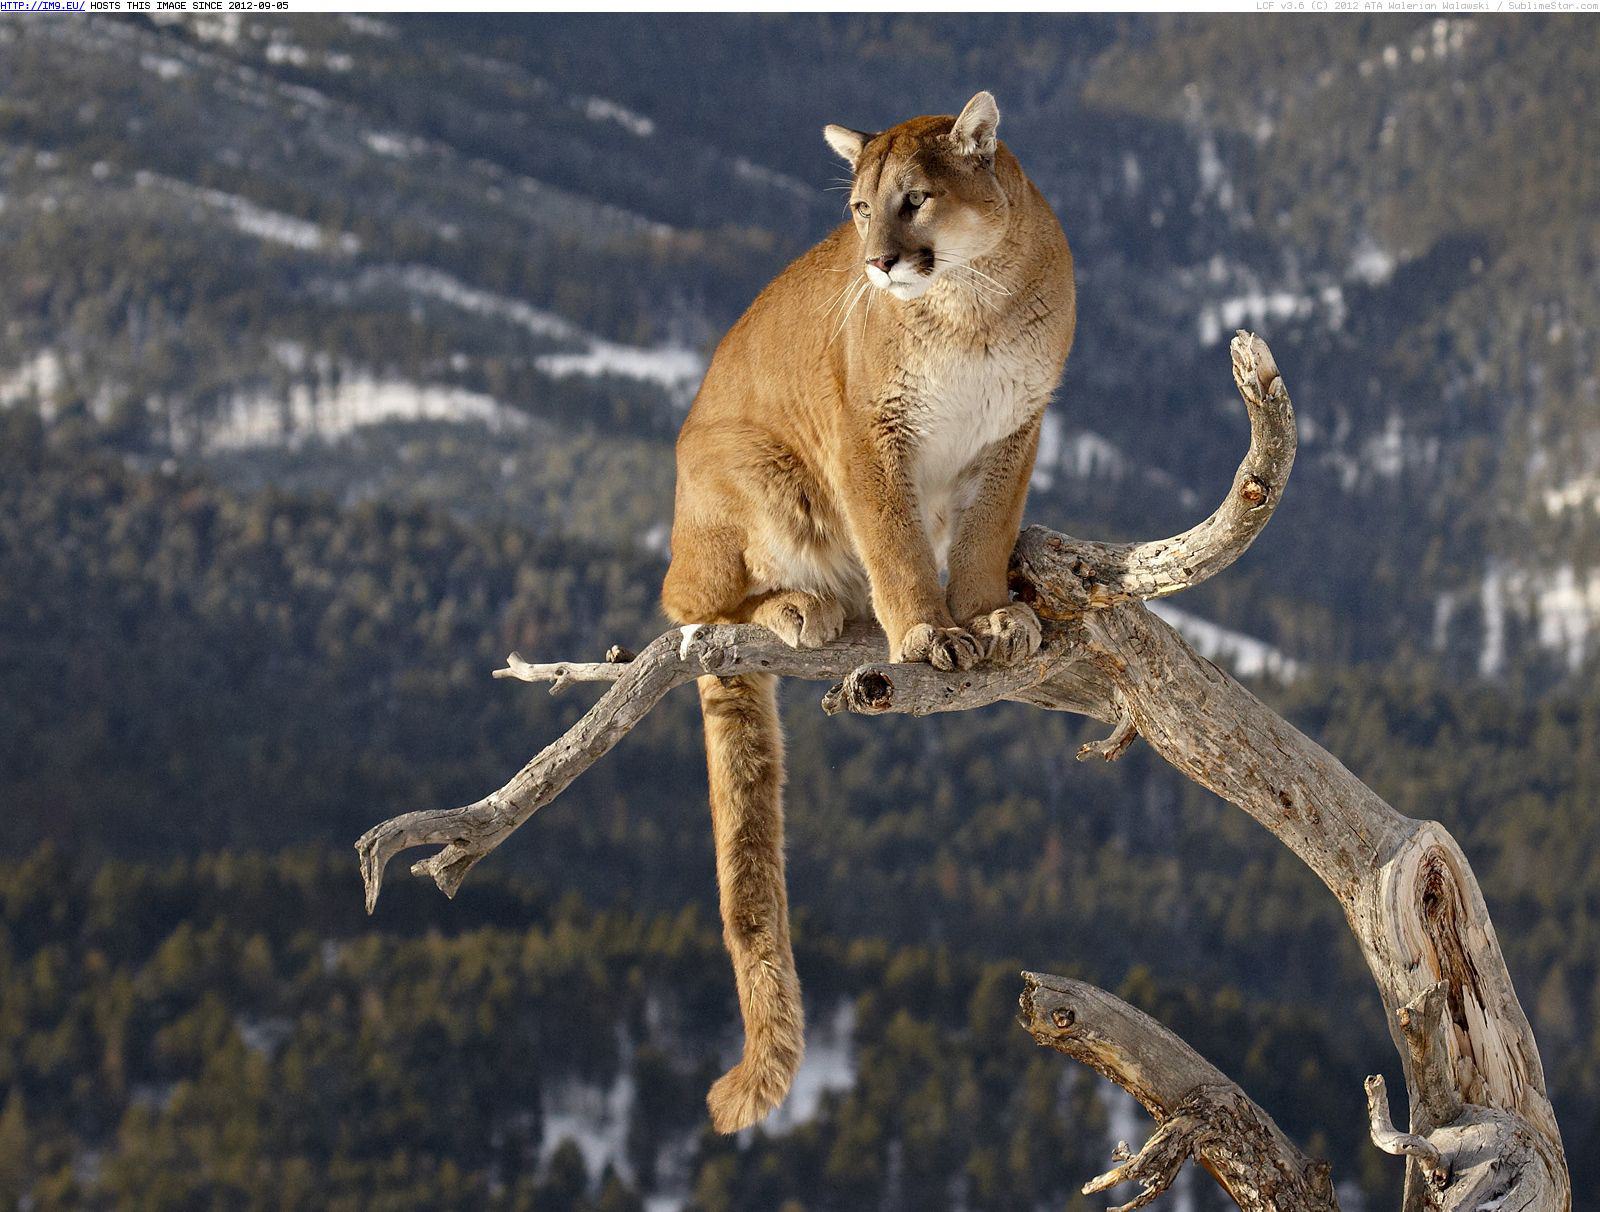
(744, 756)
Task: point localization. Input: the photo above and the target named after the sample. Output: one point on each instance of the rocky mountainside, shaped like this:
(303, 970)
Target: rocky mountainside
(481, 262)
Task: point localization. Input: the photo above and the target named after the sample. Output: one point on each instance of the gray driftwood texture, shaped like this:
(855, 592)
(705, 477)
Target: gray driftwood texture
(1482, 1132)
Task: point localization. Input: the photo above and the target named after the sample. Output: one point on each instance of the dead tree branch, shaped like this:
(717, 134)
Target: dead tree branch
(1480, 1114)
(1060, 575)
(1200, 1112)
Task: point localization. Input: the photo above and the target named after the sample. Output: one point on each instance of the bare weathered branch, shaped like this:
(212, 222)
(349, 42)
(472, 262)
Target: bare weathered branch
(562, 674)
(1402, 1144)
(1060, 575)
(1200, 1112)
(867, 685)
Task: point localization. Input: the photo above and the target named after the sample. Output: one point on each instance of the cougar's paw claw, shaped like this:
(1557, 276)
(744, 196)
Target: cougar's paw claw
(801, 620)
(946, 648)
(1008, 635)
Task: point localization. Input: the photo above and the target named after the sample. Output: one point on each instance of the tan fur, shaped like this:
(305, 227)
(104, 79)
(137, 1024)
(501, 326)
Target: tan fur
(744, 750)
(871, 420)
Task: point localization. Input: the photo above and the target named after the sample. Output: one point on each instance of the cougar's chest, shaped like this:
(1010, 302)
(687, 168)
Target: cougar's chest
(963, 403)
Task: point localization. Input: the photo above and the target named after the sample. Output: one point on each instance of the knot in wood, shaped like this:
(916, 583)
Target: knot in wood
(1253, 490)
(866, 690)
(715, 656)
(1063, 1018)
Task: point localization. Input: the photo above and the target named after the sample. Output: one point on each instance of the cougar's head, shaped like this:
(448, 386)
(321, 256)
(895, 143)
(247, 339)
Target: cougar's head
(924, 195)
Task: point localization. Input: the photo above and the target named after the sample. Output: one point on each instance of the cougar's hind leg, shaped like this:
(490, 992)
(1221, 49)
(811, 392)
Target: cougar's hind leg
(744, 756)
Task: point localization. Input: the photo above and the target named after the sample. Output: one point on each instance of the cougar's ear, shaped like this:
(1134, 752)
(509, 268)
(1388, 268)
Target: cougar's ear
(974, 131)
(848, 143)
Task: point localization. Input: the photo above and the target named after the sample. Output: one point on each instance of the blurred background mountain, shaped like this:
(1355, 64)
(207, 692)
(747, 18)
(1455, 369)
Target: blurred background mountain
(339, 356)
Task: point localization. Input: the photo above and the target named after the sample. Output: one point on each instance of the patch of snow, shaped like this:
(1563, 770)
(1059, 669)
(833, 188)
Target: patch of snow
(331, 954)
(287, 52)
(1246, 655)
(1371, 264)
(1332, 298)
(675, 368)
(1082, 455)
(1450, 35)
(1492, 656)
(1573, 495)
(595, 1120)
(38, 378)
(1444, 609)
(828, 1067)
(221, 27)
(370, 26)
(397, 146)
(436, 284)
(157, 1096)
(1387, 454)
(304, 95)
(1213, 174)
(331, 412)
(271, 225)
(1132, 176)
(1386, 451)
(599, 109)
(162, 66)
(749, 170)
(1568, 609)
(263, 1036)
(1561, 604)
(658, 539)
(1256, 308)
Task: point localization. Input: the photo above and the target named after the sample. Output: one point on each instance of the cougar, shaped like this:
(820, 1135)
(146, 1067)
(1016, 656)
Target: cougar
(868, 424)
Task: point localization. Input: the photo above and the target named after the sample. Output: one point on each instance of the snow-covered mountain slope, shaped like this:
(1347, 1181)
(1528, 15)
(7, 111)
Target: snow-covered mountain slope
(458, 224)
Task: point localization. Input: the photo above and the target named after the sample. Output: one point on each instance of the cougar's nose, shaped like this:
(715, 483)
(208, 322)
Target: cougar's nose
(885, 262)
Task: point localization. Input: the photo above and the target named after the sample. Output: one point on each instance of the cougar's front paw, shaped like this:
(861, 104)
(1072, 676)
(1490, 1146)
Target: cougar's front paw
(801, 620)
(947, 648)
(1008, 635)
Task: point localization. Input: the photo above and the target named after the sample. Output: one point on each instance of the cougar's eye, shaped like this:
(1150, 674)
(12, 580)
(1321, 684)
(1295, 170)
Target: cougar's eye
(916, 198)
(863, 209)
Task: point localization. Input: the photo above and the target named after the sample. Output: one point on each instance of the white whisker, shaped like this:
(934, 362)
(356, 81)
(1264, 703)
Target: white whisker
(839, 296)
(972, 269)
(855, 301)
(981, 293)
